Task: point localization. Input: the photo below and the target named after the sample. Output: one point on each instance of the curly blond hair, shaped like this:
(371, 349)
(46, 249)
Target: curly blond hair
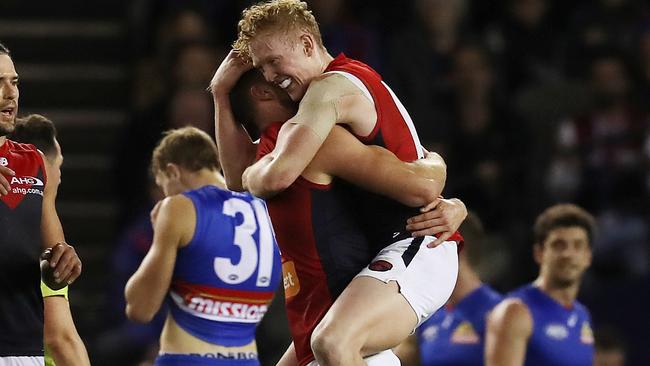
(279, 14)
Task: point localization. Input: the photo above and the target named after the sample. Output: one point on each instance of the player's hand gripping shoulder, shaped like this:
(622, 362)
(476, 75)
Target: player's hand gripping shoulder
(231, 69)
(441, 218)
(4, 183)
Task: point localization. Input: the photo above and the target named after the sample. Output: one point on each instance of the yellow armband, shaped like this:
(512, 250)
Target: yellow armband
(47, 292)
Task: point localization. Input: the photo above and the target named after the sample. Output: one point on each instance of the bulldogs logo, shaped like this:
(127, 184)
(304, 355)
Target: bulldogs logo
(380, 266)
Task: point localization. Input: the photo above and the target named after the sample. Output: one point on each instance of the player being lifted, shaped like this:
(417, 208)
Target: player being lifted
(214, 253)
(282, 39)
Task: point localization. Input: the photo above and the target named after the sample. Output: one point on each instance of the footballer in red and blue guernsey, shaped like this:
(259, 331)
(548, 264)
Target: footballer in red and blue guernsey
(29, 224)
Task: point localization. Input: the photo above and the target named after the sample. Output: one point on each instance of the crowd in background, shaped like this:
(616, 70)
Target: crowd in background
(530, 102)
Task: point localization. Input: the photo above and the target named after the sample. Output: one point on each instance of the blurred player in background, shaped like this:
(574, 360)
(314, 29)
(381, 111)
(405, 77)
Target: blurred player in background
(609, 347)
(27, 199)
(455, 334)
(315, 210)
(62, 342)
(214, 253)
(542, 323)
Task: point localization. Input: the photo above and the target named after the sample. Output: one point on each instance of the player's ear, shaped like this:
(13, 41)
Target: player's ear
(307, 42)
(172, 171)
(538, 252)
(262, 92)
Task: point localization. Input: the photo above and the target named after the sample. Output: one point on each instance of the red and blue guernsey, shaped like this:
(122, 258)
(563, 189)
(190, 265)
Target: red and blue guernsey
(456, 335)
(561, 335)
(224, 279)
(21, 303)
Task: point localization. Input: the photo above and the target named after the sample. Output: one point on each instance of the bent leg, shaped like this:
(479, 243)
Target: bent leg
(379, 309)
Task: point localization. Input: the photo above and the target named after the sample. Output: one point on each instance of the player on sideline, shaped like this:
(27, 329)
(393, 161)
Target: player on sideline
(282, 39)
(62, 342)
(26, 200)
(214, 253)
(320, 259)
(542, 323)
(455, 334)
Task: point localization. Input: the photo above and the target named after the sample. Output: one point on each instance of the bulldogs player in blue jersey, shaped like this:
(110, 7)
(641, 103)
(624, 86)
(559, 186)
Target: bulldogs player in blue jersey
(214, 254)
(542, 323)
(455, 334)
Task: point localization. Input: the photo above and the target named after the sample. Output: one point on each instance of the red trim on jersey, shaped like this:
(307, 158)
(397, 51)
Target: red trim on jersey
(255, 297)
(26, 162)
(390, 122)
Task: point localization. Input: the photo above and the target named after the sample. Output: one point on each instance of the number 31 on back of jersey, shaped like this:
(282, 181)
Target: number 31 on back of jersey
(251, 258)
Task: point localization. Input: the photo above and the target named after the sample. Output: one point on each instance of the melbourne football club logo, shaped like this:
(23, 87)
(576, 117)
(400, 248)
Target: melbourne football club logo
(556, 331)
(380, 266)
(4, 161)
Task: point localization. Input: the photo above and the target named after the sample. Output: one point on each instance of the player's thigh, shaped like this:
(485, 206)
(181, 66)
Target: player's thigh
(370, 315)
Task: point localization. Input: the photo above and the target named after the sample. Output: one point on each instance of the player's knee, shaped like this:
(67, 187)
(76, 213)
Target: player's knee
(331, 346)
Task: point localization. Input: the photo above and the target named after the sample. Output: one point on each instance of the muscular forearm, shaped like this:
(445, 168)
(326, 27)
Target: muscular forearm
(262, 179)
(68, 350)
(236, 150)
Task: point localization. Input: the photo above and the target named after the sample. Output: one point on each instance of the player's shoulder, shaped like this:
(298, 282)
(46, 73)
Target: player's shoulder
(177, 204)
(332, 84)
(512, 311)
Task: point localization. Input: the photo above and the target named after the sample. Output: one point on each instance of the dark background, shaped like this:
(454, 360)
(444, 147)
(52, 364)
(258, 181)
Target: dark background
(531, 102)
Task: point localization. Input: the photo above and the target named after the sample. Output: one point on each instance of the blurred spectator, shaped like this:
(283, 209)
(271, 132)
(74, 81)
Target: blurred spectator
(124, 342)
(420, 62)
(602, 23)
(602, 149)
(528, 45)
(486, 156)
(342, 32)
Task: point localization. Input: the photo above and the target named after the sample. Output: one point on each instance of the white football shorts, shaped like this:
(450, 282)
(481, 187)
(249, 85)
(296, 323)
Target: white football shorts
(426, 276)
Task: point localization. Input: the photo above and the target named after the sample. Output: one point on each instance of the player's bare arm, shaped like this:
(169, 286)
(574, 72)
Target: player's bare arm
(329, 100)
(146, 289)
(377, 169)
(4, 182)
(60, 335)
(509, 327)
(64, 260)
(236, 150)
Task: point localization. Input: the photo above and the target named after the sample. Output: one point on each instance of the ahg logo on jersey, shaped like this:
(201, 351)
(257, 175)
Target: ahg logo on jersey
(27, 181)
(4, 161)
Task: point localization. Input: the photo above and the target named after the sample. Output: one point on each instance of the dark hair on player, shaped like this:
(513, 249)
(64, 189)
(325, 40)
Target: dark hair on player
(38, 131)
(561, 216)
(4, 50)
(187, 147)
(241, 101)
(474, 234)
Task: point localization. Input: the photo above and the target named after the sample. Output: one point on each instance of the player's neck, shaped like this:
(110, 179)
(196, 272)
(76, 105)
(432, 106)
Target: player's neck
(205, 177)
(563, 295)
(468, 281)
(326, 59)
